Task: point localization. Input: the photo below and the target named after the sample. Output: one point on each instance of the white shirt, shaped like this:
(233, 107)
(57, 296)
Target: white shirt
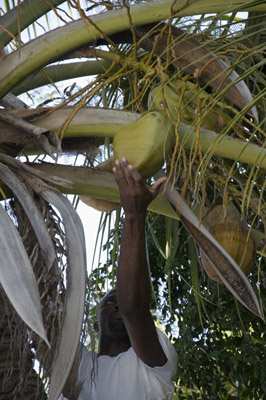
(126, 377)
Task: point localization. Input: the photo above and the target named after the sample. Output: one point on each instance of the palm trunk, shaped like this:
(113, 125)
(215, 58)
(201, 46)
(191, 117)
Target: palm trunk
(18, 379)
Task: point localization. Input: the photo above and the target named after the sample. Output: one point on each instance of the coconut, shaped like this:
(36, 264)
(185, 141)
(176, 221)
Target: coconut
(145, 143)
(231, 230)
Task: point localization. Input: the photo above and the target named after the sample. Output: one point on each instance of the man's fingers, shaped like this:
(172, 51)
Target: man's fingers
(118, 172)
(134, 174)
(120, 168)
(125, 170)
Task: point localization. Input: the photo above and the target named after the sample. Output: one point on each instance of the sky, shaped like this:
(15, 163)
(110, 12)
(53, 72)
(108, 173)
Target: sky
(90, 219)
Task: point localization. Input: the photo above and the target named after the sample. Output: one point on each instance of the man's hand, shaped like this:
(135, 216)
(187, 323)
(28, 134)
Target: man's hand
(135, 195)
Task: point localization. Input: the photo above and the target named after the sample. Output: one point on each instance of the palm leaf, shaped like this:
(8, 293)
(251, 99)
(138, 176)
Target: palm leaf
(15, 67)
(95, 121)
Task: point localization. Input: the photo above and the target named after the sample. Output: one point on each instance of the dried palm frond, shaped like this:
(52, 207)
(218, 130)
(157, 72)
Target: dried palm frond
(75, 298)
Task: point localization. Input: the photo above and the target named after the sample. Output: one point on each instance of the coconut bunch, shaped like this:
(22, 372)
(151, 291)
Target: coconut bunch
(188, 103)
(231, 230)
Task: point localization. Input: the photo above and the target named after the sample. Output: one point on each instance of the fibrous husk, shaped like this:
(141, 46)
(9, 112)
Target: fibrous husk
(145, 143)
(231, 230)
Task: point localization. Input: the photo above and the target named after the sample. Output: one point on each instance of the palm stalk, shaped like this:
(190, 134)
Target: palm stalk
(126, 73)
(105, 123)
(96, 183)
(223, 146)
(56, 73)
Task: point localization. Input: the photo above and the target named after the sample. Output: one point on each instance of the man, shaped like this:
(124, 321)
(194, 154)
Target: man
(135, 360)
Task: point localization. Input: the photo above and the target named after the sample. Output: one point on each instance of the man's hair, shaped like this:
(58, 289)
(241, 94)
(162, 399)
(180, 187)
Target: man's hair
(102, 299)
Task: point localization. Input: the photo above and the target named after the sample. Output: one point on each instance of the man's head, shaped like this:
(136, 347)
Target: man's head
(109, 321)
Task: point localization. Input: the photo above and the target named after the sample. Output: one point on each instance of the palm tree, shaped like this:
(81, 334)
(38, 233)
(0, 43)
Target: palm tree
(211, 58)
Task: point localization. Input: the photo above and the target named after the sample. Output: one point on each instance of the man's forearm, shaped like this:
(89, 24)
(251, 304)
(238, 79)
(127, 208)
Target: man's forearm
(133, 282)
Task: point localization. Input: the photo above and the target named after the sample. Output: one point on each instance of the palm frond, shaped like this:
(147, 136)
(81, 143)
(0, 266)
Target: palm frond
(75, 299)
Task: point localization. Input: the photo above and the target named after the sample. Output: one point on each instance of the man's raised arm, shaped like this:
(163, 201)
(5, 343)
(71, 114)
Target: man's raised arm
(133, 282)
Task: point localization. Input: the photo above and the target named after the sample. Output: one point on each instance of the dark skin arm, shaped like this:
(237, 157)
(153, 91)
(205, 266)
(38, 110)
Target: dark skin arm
(133, 282)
